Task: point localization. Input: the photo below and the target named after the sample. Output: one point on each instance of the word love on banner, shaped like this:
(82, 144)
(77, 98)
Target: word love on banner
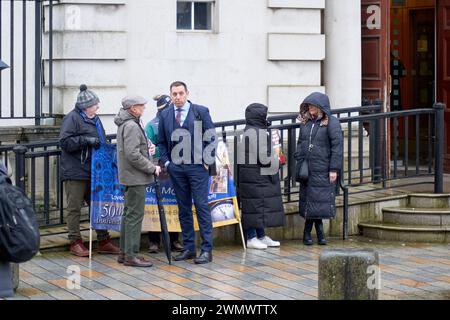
(108, 196)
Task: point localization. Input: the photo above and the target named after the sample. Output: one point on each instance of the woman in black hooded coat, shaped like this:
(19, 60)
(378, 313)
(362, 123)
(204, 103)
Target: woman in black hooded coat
(259, 187)
(321, 138)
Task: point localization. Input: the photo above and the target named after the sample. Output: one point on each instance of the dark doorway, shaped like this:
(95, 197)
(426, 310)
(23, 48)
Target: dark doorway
(423, 58)
(443, 71)
(413, 65)
(413, 51)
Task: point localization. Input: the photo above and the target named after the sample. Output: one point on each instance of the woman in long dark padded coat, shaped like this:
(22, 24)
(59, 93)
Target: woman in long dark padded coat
(321, 135)
(259, 191)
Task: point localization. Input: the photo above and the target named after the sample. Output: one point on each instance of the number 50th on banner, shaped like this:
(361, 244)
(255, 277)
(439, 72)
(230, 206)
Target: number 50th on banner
(107, 195)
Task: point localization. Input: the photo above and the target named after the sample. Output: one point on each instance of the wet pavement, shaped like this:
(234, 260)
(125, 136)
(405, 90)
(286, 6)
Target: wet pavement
(408, 271)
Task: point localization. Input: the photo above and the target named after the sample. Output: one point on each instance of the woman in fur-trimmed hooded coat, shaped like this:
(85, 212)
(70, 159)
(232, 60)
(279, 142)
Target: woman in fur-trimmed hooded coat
(317, 194)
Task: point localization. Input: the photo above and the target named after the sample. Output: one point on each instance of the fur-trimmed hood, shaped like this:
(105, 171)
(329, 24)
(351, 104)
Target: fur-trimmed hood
(319, 100)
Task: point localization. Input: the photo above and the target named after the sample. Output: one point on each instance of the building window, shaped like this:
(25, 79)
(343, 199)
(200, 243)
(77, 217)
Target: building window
(194, 15)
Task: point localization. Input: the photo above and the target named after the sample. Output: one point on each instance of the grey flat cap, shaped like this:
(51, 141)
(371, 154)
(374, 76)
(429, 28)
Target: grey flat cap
(132, 100)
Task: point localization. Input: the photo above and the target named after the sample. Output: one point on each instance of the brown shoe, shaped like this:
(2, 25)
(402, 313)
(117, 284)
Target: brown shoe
(153, 248)
(77, 248)
(121, 257)
(177, 246)
(136, 262)
(107, 247)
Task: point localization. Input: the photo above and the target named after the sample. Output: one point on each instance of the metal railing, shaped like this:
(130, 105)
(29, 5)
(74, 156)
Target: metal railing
(23, 97)
(373, 166)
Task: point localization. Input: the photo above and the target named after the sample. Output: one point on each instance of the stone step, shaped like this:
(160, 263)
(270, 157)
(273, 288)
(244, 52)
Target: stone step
(417, 216)
(429, 200)
(407, 233)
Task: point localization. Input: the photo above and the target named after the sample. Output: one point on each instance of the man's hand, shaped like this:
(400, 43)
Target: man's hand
(157, 170)
(206, 167)
(152, 149)
(333, 176)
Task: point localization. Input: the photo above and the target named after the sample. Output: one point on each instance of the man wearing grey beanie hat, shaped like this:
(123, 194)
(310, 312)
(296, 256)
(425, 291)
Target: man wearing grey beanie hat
(81, 130)
(86, 98)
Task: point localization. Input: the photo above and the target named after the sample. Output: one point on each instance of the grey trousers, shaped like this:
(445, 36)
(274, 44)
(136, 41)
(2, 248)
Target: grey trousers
(76, 192)
(133, 214)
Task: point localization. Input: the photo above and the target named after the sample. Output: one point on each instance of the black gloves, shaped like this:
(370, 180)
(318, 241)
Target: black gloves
(92, 142)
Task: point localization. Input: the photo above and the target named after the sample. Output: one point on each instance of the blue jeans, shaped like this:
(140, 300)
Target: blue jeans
(255, 232)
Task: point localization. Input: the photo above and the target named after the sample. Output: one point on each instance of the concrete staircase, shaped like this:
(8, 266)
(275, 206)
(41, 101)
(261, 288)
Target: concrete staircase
(425, 218)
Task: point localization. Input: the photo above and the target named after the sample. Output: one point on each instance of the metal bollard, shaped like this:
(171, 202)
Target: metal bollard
(349, 274)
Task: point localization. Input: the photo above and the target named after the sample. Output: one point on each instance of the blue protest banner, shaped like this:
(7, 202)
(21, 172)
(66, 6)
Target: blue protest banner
(107, 195)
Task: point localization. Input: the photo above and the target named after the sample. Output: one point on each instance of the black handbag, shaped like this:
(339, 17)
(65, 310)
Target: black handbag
(303, 171)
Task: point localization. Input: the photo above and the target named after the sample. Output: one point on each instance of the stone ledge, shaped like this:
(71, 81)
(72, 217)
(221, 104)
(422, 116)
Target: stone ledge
(430, 195)
(406, 233)
(404, 228)
(296, 4)
(280, 95)
(292, 48)
(96, 2)
(409, 210)
(26, 134)
(85, 16)
(78, 44)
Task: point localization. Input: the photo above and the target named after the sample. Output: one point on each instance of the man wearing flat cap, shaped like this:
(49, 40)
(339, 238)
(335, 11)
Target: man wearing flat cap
(136, 172)
(81, 130)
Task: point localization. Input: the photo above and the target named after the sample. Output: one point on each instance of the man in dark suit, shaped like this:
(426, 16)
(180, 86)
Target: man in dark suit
(188, 166)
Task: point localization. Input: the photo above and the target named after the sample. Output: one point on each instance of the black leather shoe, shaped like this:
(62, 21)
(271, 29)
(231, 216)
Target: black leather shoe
(185, 255)
(203, 258)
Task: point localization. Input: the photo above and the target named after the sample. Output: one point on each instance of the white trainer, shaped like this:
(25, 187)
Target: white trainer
(255, 243)
(269, 242)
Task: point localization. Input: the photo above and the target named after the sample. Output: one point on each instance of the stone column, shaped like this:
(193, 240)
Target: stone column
(342, 66)
(342, 74)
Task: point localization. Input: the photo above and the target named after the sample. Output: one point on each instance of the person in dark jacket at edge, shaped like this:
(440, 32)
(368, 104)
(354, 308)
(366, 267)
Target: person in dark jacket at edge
(81, 130)
(6, 279)
(151, 130)
(321, 135)
(259, 192)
